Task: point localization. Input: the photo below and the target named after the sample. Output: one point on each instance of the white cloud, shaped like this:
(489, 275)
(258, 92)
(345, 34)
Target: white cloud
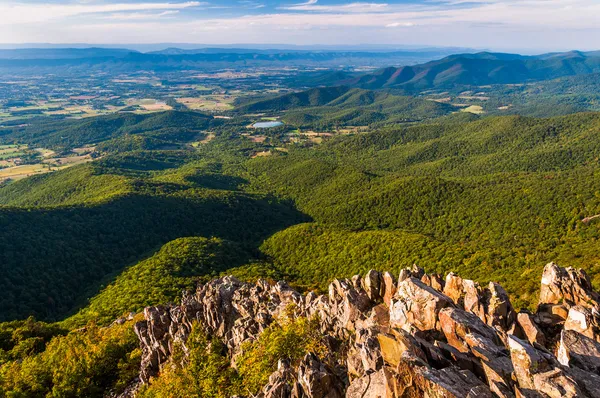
(253, 5)
(141, 15)
(21, 13)
(399, 24)
(358, 7)
(486, 23)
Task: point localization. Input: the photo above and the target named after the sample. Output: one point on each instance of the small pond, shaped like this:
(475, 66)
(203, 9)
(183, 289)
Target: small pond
(267, 125)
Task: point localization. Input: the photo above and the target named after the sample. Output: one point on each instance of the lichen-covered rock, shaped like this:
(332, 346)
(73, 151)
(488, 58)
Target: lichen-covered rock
(416, 305)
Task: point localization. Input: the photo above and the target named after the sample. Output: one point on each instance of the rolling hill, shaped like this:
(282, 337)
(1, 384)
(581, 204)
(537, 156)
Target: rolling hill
(341, 105)
(68, 134)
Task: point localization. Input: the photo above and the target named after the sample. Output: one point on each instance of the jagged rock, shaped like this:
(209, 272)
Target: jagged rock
(396, 344)
(552, 314)
(585, 321)
(280, 382)
(415, 379)
(472, 301)
(154, 339)
(417, 272)
(416, 305)
(466, 294)
(453, 288)
(530, 329)
(365, 355)
(373, 285)
(434, 281)
(500, 312)
(556, 384)
(390, 287)
(386, 337)
(316, 380)
(370, 352)
(527, 362)
(589, 382)
(561, 289)
(580, 351)
(463, 361)
(460, 326)
(570, 285)
(378, 384)
(347, 304)
(487, 356)
(216, 306)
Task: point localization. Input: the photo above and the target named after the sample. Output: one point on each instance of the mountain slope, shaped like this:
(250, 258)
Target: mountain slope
(68, 134)
(488, 198)
(161, 278)
(111, 60)
(65, 233)
(340, 105)
(480, 69)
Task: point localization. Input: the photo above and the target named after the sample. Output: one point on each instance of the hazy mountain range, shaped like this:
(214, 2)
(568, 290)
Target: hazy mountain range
(480, 69)
(420, 70)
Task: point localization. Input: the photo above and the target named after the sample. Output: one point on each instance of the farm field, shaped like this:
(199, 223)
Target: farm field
(476, 109)
(150, 105)
(19, 172)
(11, 151)
(11, 167)
(208, 103)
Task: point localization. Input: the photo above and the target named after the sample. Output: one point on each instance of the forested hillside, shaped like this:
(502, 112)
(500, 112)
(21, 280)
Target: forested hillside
(487, 197)
(65, 233)
(490, 198)
(65, 135)
(342, 106)
(494, 198)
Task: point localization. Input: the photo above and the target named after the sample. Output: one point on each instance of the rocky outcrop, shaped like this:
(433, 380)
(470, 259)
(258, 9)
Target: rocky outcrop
(415, 335)
(561, 289)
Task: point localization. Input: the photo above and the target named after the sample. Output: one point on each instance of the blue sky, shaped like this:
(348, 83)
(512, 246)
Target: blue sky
(493, 24)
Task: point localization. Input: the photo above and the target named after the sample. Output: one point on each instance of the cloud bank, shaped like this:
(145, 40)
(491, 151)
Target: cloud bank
(478, 23)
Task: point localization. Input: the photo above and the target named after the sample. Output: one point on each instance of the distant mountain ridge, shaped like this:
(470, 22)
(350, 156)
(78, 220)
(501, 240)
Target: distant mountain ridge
(421, 69)
(184, 59)
(63, 53)
(480, 69)
(202, 54)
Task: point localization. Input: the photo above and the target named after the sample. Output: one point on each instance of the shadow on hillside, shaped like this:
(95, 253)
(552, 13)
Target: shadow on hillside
(50, 259)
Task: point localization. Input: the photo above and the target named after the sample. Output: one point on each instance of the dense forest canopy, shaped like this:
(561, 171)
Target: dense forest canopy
(484, 196)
